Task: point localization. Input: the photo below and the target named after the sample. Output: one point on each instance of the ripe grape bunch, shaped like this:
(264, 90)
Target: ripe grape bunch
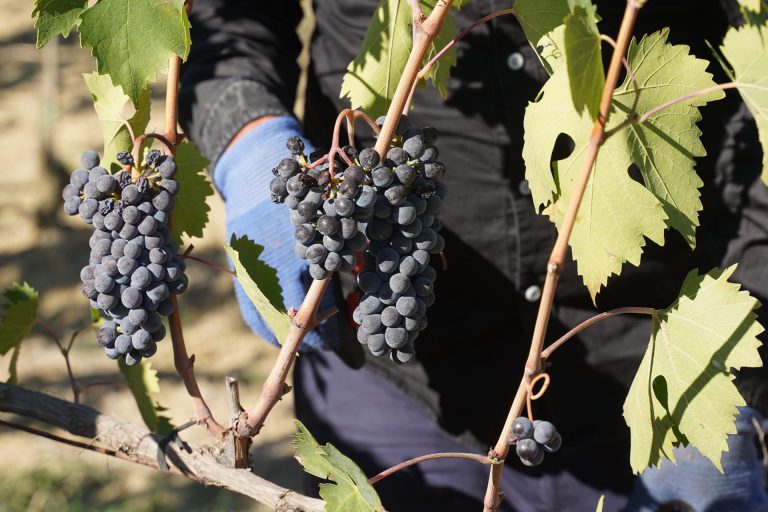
(533, 439)
(399, 198)
(133, 267)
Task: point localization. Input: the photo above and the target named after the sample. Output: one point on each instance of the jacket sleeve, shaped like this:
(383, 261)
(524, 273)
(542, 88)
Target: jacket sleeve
(242, 66)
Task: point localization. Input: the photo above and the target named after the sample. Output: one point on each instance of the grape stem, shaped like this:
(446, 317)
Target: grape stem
(250, 422)
(183, 363)
(351, 116)
(425, 69)
(545, 354)
(424, 33)
(482, 459)
(188, 256)
(533, 364)
(64, 352)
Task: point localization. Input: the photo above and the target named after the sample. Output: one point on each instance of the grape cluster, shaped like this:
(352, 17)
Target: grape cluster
(399, 198)
(133, 267)
(397, 280)
(533, 439)
(325, 211)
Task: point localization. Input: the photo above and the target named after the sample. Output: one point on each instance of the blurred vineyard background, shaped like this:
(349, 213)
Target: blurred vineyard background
(46, 121)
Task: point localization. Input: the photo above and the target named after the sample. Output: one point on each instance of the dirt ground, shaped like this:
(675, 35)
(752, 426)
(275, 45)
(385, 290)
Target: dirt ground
(42, 95)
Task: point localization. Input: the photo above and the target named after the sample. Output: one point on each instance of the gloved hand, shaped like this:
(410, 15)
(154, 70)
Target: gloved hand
(695, 485)
(242, 176)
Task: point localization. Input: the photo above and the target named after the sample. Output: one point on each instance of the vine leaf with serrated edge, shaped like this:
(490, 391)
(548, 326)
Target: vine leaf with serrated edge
(541, 21)
(606, 233)
(56, 17)
(747, 52)
(190, 215)
(350, 491)
(109, 102)
(683, 392)
(19, 314)
(260, 283)
(584, 59)
(143, 382)
(372, 77)
(133, 39)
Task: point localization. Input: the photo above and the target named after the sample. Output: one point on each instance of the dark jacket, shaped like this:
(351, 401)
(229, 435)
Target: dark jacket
(243, 66)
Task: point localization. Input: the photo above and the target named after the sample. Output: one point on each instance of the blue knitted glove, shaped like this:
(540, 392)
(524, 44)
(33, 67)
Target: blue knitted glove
(695, 482)
(242, 176)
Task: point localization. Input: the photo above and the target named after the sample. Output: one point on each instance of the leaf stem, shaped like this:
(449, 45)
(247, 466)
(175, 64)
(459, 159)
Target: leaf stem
(557, 257)
(545, 354)
(424, 70)
(188, 256)
(482, 459)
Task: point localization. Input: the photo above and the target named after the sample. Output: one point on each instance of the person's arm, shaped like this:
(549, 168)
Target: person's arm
(237, 92)
(242, 67)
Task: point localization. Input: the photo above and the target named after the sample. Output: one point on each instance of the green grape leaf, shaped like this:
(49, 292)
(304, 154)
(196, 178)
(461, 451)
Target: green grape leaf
(350, 491)
(747, 52)
(19, 314)
(584, 59)
(133, 39)
(260, 283)
(372, 77)
(143, 382)
(56, 17)
(540, 20)
(683, 392)
(606, 233)
(109, 101)
(190, 215)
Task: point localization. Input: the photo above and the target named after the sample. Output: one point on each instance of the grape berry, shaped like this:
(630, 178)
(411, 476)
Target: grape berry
(133, 267)
(400, 199)
(531, 440)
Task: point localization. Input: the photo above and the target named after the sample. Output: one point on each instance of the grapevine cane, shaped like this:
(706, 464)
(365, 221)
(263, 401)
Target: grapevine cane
(182, 361)
(557, 257)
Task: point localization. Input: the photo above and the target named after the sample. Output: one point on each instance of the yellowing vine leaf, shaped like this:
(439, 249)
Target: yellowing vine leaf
(260, 283)
(190, 216)
(56, 17)
(747, 52)
(752, 5)
(350, 491)
(683, 392)
(133, 39)
(372, 77)
(109, 101)
(617, 213)
(19, 313)
(143, 382)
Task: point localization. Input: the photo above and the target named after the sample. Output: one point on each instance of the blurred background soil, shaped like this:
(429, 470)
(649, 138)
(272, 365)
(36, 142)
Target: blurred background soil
(46, 121)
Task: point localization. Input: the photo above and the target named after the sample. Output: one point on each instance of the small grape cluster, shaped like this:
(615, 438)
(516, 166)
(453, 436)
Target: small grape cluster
(133, 267)
(325, 211)
(532, 440)
(399, 198)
